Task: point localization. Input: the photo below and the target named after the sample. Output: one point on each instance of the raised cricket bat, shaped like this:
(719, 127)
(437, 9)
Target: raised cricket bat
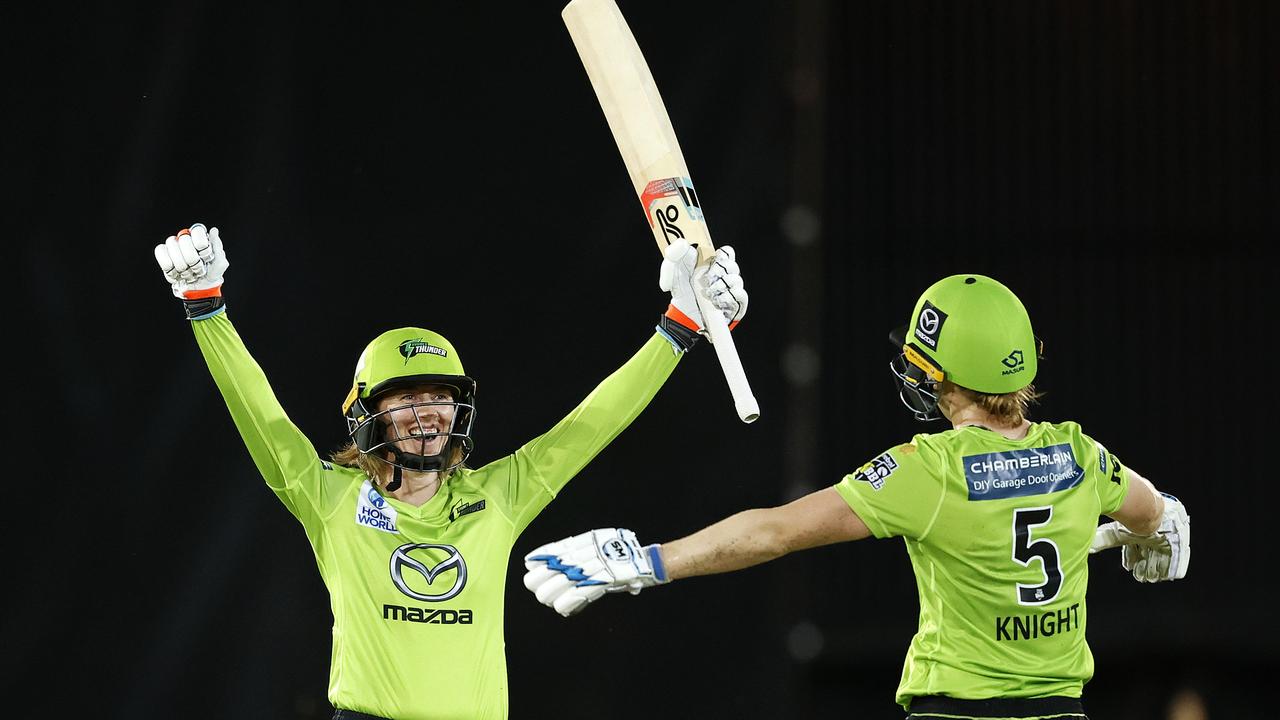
(638, 118)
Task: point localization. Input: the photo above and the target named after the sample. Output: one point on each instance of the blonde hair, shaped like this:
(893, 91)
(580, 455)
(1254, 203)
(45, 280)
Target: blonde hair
(350, 456)
(1008, 409)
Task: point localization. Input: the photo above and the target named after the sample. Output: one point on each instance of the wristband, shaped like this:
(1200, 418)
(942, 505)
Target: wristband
(681, 338)
(655, 561)
(202, 308)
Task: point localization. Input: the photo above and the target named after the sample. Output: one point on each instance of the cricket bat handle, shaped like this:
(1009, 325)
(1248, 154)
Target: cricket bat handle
(722, 340)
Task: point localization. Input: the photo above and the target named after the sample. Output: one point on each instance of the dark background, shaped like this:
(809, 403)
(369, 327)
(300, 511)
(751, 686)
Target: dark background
(373, 165)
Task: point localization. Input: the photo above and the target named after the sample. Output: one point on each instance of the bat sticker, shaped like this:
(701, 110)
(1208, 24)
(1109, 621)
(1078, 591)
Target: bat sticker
(658, 201)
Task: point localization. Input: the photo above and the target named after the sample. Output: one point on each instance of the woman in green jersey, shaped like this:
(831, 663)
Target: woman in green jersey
(411, 543)
(999, 515)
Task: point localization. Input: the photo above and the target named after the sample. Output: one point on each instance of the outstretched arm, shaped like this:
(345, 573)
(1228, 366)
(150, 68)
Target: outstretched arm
(756, 536)
(574, 572)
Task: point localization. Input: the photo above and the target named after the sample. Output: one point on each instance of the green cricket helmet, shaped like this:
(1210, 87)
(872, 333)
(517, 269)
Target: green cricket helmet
(402, 358)
(971, 330)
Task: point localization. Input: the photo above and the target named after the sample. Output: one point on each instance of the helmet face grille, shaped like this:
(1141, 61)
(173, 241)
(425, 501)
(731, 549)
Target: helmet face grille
(917, 390)
(373, 436)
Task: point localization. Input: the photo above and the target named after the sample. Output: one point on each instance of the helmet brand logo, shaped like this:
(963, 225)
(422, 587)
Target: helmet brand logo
(1014, 362)
(409, 348)
(929, 325)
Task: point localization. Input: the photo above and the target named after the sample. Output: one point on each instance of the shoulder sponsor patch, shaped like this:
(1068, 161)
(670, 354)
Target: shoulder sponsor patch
(373, 510)
(877, 471)
(465, 507)
(1017, 473)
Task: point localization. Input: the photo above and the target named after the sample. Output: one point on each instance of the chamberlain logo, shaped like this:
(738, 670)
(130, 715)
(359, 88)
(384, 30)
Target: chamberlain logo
(929, 325)
(410, 348)
(1019, 473)
(417, 568)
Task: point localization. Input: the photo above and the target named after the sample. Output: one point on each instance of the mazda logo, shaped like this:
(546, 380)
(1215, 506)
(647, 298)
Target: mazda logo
(929, 321)
(430, 561)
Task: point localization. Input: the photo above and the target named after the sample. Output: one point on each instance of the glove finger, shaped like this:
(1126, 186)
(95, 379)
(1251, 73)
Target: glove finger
(680, 251)
(724, 284)
(215, 242)
(1158, 567)
(552, 588)
(536, 576)
(182, 270)
(666, 276)
(1131, 555)
(576, 600)
(201, 243)
(192, 256)
(176, 258)
(1140, 570)
(726, 252)
(163, 259)
(732, 303)
(723, 267)
(536, 559)
(1105, 537)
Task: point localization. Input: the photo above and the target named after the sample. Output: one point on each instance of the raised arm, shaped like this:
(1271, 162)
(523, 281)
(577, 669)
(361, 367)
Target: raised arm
(557, 455)
(194, 261)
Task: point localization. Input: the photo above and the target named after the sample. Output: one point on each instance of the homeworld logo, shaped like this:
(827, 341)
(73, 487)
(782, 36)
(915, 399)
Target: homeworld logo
(372, 510)
(410, 348)
(428, 572)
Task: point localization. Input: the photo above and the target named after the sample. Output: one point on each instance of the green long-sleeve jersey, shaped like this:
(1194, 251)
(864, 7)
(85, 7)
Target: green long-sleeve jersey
(998, 532)
(417, 592)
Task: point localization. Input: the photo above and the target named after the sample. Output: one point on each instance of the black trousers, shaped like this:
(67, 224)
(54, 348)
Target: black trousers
(938, 706)
(353, 715)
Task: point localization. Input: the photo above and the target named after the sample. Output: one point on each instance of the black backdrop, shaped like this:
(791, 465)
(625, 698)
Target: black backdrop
(377, 165)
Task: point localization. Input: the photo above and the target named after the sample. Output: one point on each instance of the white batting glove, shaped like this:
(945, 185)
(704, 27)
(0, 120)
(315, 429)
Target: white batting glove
(193, 262)
(1161, 556)
(720, 280)
(570, 574)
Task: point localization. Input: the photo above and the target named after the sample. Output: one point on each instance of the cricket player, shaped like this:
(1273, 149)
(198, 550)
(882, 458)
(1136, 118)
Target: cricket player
(999, 515)
(411, 543)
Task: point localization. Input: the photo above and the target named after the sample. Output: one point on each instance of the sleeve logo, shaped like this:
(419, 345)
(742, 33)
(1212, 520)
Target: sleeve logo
(877, 471)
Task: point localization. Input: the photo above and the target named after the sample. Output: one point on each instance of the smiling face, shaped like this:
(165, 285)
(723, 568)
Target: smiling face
(423, 414)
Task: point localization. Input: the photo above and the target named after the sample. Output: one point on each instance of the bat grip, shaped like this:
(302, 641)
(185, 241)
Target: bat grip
(722, 340)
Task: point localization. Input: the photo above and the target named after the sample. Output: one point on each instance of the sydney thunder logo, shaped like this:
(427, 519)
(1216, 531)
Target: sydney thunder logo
(409, 348)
